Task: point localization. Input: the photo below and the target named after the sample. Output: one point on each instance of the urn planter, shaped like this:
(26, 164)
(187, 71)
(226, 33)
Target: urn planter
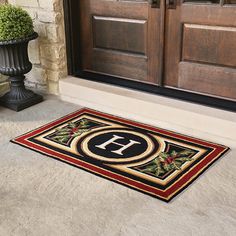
(14, 62)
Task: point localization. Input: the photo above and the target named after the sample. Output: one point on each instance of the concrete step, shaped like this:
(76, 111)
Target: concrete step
(167, 113)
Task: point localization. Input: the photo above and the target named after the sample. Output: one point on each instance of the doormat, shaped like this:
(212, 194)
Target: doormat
(148, 159)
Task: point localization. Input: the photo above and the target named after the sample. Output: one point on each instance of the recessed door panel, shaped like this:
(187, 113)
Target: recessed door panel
(119, 34)
(211, 44)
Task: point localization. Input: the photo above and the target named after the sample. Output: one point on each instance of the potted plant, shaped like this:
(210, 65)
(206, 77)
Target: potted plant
(16, 30)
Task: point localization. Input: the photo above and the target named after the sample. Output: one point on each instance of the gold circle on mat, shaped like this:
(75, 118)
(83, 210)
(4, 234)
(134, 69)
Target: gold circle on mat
(148, 151)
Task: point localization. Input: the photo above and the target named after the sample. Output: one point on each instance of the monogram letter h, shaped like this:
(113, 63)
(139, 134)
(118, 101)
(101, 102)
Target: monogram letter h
(113, 141)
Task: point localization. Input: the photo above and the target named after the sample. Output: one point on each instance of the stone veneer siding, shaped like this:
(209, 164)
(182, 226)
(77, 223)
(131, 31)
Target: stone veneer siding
(48, 52)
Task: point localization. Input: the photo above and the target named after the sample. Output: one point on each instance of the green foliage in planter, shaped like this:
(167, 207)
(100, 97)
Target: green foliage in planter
(15, 23)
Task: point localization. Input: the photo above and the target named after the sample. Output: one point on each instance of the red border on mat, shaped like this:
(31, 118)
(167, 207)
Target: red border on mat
(163, 194)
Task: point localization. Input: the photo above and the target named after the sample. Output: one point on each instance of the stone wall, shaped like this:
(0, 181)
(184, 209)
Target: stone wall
(48, 52)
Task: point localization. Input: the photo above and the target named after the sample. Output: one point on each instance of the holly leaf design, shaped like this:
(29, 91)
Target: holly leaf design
(166, 162)
(186, 152)
(72, 130)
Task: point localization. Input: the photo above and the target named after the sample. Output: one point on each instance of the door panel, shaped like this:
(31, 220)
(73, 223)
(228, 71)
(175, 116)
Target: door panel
(200, 52)
(121, 38)
(217, 44)
(207, 79)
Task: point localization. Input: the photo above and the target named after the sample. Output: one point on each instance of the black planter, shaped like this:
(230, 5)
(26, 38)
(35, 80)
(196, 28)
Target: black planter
(14, 62)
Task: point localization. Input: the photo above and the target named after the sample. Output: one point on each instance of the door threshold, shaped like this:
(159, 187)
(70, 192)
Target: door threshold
(148, 108)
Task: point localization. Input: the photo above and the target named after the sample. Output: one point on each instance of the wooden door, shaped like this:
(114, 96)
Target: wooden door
(122, 38)
(200, 48)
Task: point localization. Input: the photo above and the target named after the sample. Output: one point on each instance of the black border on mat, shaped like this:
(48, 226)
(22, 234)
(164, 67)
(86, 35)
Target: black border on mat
(116, 181)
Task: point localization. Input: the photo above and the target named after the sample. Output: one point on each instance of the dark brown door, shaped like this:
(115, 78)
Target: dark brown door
(200, 51)
(122, 38)
(128, 38)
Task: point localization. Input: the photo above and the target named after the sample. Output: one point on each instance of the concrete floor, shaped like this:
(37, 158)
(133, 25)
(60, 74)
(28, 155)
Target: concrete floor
(40, 196)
